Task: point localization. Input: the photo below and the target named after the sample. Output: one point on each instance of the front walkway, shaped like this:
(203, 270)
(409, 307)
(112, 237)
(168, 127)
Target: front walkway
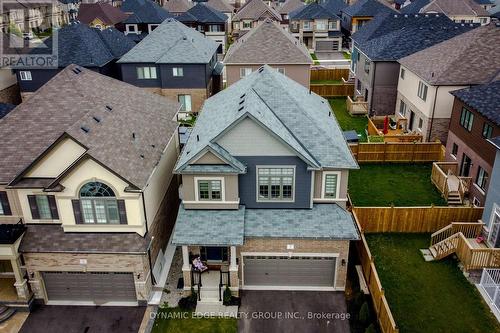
(293, 311)
(171, 294)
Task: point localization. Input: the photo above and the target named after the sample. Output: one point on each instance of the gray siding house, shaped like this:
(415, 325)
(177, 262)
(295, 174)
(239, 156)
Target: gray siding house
(264, 180)
(177, 62)
(382, 42)
(491, 213)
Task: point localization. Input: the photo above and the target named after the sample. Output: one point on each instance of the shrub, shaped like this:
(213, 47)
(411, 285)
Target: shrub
(371, 329)
(364, 314)
(227, 295)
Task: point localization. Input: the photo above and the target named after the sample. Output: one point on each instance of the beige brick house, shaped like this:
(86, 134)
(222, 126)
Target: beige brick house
(88, 175)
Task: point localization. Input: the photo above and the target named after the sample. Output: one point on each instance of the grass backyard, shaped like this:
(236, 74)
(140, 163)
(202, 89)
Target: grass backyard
(427, 296)
(398, 184)
(175, 320)
(346, 121)
(326, 81)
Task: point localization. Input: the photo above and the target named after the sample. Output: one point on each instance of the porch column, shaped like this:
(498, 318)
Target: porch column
(232, 265)
(21, 283)
(233, 272)
(186, 268)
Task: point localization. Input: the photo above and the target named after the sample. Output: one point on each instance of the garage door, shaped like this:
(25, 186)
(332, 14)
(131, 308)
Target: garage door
(282, 271)
(98, 287)
(327, 46)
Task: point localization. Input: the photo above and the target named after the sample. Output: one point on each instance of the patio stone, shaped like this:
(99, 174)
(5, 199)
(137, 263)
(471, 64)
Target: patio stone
(426, 253)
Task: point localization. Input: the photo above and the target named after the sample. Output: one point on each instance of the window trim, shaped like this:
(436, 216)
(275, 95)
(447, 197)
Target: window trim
(484, 178)
(138, 68)
(243, 71)
(25, 76)
(175, 71)
(466, 122)
(323, 184)
(257, 167)
(281, 68)
(490, 128)
(129, 31)
(222, 190)
(495, 210)
(182, 104)
(453, 145)
(422, 90)
(93, 201)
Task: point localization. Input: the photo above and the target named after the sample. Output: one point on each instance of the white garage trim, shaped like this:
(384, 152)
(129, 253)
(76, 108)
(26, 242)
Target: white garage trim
(289, 254)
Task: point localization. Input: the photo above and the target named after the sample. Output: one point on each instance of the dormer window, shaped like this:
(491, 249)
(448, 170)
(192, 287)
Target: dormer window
(131, 29)
(98, 204)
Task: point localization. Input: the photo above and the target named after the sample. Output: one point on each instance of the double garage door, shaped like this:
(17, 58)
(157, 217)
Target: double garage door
(98, 287)
(327, 45)
(284, 271)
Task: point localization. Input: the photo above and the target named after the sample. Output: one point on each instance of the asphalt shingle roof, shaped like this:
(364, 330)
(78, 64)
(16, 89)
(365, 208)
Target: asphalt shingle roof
(172, 42)
(393, 36)
(313, 11)
(89, 47)
(253, 10)
(323, 221)
(144, 11)
(301, 119)
(221, 5)
(70, 101)
(5, 108)
(462, 60)
(203, 14)
(454, 8)
(484, 98)
(368, 8)
(268, 43)
(45, 238)
(290, 6)
(177, 6)
(215, 227)
(107, 13)
(335, 6)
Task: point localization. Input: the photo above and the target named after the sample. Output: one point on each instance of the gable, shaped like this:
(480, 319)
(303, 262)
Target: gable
(248, 138)
(57, 159)
(209, 158)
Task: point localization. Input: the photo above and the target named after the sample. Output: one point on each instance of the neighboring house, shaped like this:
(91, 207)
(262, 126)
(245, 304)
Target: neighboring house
(268, 44)
(70, 9)
(317, 28)
(427, 77)
(486, 4)
(177, 7)
(207, 21)
(475, 118)
(264, 181)
(90, 176)
(9, 89)
(335, 6)
(28, 15)
(252, 14)
(462, 11)
(491, 213)
(382, 42)
(79, 44)
(361, 12)
(224, 7)
(143, 17)
(285, 8)
(100, 15)
(177, 62)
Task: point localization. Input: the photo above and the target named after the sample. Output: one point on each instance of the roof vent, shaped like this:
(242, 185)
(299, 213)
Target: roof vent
(242, 101)
(243, 96)
(109, 108)
(98, 120)
(85, 129)
(329, 113)
(133, 135)
(197, 137)
(142, 156)
(241, 108)
(153, 146)
(406, 15)
(75, 71)
(261, 69)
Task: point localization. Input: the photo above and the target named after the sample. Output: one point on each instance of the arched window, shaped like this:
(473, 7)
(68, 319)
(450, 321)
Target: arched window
(99, 204)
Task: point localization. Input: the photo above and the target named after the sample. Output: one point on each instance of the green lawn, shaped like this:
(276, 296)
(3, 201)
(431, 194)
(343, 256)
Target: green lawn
(398, 184)
(315, 58)
(346, 121)
(427, 296)
(188, 324)
(346, 55)
(326, 81)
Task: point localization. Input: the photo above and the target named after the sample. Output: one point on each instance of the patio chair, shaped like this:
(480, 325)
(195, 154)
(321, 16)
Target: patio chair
(199, 265)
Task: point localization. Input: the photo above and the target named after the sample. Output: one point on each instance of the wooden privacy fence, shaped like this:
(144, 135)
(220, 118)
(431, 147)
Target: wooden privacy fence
(329, 74)
(404, 152)
(332, 90)
(413, 219)
(384, 315)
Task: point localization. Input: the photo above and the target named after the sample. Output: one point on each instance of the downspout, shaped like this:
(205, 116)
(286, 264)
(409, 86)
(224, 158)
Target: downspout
(373, 85)
(432, 116)
(153, 280)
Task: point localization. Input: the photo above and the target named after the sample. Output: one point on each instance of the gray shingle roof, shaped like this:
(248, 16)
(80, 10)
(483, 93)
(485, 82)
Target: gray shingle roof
(203, 14)
(301, 119)
(313, 11)
(484, 98)
(323, 221)
(221, 5)
(462, 60)
(210, 168)
(368, 8)
(45, 238)
(253, 10)
(290, 6)
(390, 37)
(107, 13)
(5, 108)
(454, 8)
(268, 43)
(177, 6)
(209, 227)
(335, 6)
(172, 42)
(144, 11)
(68, 102)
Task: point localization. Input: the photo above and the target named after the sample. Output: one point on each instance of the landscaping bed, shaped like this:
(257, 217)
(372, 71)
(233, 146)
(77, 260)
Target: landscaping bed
(427, 296)
(398, 184)
(176, 320)
(346, 121)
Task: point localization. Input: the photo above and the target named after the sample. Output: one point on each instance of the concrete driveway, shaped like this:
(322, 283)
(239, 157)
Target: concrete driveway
(293, 311)
(84, 319)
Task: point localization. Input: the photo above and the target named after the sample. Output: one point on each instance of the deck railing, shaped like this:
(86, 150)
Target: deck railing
(490, 284)
(439, 177)
(357, 107)
(468, 229)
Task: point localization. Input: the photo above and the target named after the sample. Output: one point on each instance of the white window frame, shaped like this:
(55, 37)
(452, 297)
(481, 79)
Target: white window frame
(190, 103)
(281, 70)
(323, 184)
(197, 194)
(25, 75)
(131, 31)
(150, 76)
(244, 70)
(495, 211)
(306, 25)
(321, 25)
(420, 124)
(403, 113)
(178, 71)
(151, 27)
(422, 90)
(257, 167)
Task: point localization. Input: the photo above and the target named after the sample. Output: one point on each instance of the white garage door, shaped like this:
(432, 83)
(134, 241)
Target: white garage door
(325, 46)
(284, 271)
(98, 287)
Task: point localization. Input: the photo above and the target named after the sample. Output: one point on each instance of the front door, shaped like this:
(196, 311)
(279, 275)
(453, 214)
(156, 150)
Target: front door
(465, 167)
(212, 253)
(412, 119)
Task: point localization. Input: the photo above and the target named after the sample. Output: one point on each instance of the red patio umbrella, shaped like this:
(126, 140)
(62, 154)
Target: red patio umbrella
(386, 125)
